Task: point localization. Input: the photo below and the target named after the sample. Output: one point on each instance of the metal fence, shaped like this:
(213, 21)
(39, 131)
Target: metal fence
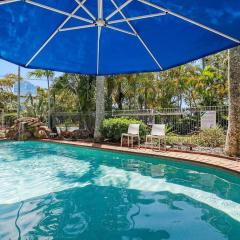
(180, 121)
(74, 120)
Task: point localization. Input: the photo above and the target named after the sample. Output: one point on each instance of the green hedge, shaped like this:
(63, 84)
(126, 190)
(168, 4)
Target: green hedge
(112, 128)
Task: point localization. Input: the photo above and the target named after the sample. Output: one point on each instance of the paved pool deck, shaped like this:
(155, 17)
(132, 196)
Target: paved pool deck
(217, 161)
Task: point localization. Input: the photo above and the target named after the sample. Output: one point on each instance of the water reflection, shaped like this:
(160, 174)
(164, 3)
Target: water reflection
(25, 179)
(111, 176)
(113, 196)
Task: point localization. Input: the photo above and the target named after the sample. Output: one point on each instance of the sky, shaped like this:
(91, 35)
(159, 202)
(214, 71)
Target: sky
(6, 68)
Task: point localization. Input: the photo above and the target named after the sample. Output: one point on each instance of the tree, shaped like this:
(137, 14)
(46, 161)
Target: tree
(211, 87)
(232, 147)
(100, 109)
(146, 84)
(110, 86)
(118, 94)
(166, 89)
(7, 97)
(81, 88)
(36, 106)
(63, 100)
(49, 75)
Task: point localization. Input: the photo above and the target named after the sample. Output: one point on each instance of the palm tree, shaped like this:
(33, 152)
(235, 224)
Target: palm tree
(36, 106)
(232, 147)
(38, 73)
(82, 87)
(100, 108)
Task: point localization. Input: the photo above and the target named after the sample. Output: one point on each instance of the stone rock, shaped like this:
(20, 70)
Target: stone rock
(28, 128)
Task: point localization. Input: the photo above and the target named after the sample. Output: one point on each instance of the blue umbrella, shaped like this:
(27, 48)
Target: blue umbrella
(115, 36)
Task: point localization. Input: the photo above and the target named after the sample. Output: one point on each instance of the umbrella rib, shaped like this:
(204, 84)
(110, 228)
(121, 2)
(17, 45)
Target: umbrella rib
(85, 9)
(138, 36)
(9, 1)
(118, 9)
(190, 21)
(121, 30)
(138, 18)
(77, 27)
(56, 10)
(54, 34)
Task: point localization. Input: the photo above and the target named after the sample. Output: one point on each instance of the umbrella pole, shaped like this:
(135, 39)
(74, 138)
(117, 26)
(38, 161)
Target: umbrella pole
(18, 93)
(100, 108)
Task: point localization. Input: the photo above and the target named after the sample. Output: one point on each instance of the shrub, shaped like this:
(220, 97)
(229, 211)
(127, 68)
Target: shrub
(9, 118)
(212, 137)
(112, 128)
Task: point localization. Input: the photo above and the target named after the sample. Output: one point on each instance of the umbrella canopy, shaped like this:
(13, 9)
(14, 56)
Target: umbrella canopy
(103, 37)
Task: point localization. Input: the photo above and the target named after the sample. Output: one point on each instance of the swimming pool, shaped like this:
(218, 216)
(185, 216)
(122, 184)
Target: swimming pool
(55, 191)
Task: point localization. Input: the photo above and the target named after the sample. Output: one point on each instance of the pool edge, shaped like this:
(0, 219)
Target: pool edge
(197, 158)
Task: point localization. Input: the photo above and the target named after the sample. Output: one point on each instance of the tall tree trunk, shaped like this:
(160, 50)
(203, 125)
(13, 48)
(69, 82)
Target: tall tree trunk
(53, 119)
(49, 103)
(232, 147)
(19, 93)
(145, 98)
(100, 108)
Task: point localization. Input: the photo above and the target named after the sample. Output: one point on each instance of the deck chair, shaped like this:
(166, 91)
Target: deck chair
(133, 132)
(157, 133)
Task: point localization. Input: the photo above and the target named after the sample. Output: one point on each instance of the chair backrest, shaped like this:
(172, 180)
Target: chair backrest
(158, 130)
(133, 129)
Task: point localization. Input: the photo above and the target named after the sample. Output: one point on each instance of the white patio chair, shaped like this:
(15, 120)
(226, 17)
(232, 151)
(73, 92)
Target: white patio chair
(157, 133)
(133, 132)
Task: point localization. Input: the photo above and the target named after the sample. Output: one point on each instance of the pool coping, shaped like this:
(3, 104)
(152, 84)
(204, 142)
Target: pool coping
(197, 158)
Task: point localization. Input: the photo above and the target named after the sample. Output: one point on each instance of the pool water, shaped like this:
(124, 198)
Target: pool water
(54, 191)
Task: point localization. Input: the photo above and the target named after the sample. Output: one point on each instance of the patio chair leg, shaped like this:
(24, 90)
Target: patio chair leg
(138, 142)
(121, 140)
(132, 141)
(128, 141)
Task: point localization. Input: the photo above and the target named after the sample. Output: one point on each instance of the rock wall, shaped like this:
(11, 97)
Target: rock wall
(27, 128)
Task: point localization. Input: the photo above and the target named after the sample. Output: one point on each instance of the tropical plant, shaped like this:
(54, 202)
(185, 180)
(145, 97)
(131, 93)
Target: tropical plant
(36, 106)
(80, 88)
(112, 128)
(212, 137)
(8, 100)
(38, 73)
